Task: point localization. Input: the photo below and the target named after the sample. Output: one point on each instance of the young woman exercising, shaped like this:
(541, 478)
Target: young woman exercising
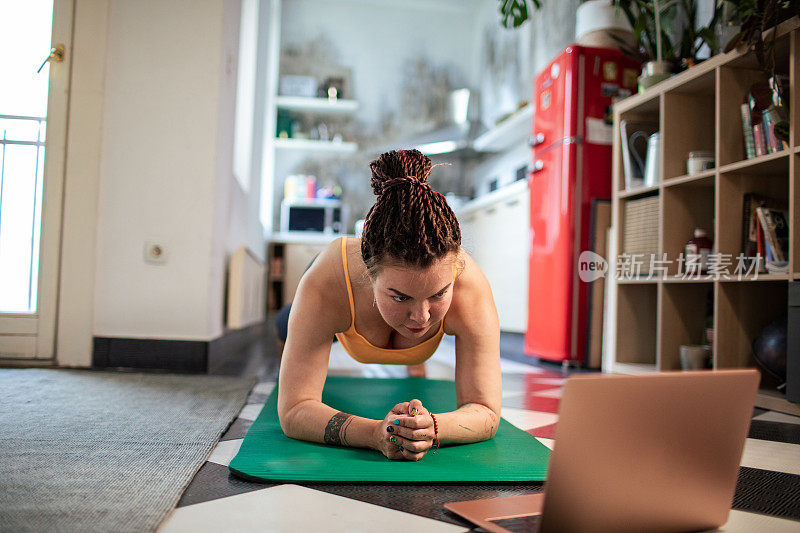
(389, 298)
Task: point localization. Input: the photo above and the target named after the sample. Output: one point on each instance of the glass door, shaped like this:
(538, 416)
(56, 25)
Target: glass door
(35, 59)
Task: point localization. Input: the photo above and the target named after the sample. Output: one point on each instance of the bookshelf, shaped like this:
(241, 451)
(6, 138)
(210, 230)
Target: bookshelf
(699, 109)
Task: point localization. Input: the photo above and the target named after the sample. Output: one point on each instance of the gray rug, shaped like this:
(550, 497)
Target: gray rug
(98, 451)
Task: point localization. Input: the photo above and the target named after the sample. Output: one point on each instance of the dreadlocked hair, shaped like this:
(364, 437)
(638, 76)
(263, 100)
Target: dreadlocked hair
(409, 222)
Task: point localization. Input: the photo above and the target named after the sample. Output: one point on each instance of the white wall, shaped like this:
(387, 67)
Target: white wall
(150, 159)
(235, 211)
(157, 166)
(509, 81)
(378, 40)
(548, 31)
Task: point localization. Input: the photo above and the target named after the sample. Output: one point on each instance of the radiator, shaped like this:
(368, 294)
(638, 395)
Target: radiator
(246, 289)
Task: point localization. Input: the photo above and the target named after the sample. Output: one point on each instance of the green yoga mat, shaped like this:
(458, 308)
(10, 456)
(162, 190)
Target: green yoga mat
(268, 455)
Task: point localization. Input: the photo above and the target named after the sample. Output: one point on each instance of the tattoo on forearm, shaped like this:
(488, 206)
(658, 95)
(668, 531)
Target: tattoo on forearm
(465, 427)
(343, 432)
(336, 430)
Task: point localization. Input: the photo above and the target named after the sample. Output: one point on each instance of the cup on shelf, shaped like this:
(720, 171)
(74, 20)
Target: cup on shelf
(652, 166)
(311, 187)
(649, 167)
(652, 73)
(695, 356)
(699, 161)
(291, 187)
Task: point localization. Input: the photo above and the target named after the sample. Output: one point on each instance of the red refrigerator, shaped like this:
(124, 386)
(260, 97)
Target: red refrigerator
(571, 140)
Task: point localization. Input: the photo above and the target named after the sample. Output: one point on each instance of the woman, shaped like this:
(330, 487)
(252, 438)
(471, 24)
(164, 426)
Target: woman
(389, 297)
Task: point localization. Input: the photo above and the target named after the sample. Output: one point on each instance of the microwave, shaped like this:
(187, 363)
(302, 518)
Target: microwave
(318, 215)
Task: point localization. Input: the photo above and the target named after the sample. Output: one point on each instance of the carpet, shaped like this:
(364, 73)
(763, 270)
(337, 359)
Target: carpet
(266, 454)
(101, 451)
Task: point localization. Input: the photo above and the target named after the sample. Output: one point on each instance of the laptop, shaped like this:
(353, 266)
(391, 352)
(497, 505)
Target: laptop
(656, 452)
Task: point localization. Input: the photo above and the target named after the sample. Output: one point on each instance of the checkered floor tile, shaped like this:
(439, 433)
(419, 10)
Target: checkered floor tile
(767, 493)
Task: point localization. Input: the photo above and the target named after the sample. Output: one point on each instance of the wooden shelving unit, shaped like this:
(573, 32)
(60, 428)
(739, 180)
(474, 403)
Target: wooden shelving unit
(699, 109)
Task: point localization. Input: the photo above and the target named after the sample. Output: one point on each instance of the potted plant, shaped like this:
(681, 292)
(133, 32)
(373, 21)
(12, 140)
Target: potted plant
(756, 17)
(665, 43)
(666, 35)
(513, 13)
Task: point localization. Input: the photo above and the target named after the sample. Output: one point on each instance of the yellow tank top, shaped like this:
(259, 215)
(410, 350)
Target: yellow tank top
(364, 351)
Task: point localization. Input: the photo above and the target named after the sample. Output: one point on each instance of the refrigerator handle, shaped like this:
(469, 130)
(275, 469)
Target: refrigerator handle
(537, 139)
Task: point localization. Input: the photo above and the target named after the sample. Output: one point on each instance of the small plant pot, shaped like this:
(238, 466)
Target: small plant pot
(652, 73)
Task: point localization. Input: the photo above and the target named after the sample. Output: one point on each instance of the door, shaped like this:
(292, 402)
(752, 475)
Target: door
(555, 120)
(552, 187)
(551, 270)
(33, 123)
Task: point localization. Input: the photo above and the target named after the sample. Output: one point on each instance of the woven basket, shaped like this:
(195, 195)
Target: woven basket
(640, 232)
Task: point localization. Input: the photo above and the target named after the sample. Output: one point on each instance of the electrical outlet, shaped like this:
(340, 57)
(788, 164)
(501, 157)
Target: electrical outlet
(155, 253)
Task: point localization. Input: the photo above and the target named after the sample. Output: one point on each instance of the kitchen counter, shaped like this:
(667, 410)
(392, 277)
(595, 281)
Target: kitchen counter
(496, 234)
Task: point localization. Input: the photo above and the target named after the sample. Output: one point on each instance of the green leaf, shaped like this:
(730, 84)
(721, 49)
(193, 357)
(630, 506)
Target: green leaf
(710, 38)
(513, 13)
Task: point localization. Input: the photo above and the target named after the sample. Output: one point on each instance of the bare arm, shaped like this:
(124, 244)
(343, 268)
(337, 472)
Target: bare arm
(319, 310)
(316, 315)
(473, 320)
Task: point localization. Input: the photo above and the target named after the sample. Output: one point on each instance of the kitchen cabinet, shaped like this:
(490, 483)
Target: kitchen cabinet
(297, 257)
(494, 232)
(289, 254)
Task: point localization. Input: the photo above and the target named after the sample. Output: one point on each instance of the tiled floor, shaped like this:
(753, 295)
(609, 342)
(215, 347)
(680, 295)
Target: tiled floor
(767, 495)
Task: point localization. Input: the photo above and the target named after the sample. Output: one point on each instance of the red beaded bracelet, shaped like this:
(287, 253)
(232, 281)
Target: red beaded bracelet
(435, 433)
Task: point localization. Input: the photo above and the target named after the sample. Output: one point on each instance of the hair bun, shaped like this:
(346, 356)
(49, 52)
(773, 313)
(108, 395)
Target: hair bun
(397, 168)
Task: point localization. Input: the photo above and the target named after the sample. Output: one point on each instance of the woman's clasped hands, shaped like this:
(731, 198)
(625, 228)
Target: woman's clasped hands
(407, 432)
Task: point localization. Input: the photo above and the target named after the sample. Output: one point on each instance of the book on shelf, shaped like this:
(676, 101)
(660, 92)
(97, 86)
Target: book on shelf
(760, 245)
(769, 117)
(750, 227)
(747, 130)
(774, 224)
(772, 117)
(760, 141)
(765, 231)
(769, 137)
(757, 123)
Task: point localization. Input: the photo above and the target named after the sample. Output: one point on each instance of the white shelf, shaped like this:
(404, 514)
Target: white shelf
(304, 237)
(316, 146)
(509, 132)
(316, 105)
